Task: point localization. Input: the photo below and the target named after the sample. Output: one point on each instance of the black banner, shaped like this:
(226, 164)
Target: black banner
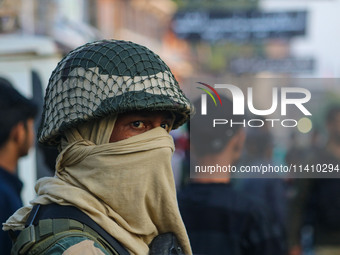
(238, 26)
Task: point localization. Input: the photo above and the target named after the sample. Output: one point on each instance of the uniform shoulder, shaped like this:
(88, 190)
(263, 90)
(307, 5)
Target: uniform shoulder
(73, 245)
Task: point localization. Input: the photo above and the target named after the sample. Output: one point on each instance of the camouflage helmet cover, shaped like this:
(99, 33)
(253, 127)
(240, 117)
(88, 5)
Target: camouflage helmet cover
(108, 77)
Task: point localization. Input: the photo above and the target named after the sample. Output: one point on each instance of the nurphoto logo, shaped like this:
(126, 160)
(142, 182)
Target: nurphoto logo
(287, 96)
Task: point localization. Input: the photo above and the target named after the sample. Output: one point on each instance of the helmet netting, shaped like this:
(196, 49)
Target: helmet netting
(108, 77)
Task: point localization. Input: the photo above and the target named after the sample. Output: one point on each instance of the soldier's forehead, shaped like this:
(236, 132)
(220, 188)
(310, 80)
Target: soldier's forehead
(146, 113)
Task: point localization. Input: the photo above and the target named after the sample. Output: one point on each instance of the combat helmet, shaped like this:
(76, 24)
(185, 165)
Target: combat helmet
(108, 77)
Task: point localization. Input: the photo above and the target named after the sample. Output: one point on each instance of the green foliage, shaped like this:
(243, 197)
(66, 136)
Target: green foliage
(215, 58)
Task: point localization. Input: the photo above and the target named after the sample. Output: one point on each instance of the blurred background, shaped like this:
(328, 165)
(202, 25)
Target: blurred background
(212, 41)
(209, 41)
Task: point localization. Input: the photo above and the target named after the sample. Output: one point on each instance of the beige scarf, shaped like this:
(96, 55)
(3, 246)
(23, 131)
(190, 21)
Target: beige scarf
(127, 187)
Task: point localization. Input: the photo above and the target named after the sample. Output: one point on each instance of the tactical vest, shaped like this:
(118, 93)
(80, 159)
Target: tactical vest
(47, 224)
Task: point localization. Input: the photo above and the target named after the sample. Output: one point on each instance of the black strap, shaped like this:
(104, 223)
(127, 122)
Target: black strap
(55, 211)
(32, 215)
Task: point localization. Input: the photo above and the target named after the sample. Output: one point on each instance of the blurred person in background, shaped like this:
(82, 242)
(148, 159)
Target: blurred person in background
(109, 108)
(271, 191)
(16, 138)
(317, 201)
(219, 219)
(181, 140)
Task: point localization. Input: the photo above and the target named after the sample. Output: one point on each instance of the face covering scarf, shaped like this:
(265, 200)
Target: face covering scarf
(127, 187)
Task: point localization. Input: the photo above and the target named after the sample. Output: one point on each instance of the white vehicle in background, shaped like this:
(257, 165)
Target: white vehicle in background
(26, 62)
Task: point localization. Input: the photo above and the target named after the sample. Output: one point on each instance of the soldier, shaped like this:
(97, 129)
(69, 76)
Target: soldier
(109, 107)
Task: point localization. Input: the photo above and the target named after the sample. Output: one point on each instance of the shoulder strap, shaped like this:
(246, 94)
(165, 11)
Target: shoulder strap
(37, 239)
(55, 211)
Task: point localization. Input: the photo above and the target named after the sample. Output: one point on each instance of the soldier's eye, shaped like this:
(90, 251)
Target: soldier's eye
(138, 124)
(165, 126)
